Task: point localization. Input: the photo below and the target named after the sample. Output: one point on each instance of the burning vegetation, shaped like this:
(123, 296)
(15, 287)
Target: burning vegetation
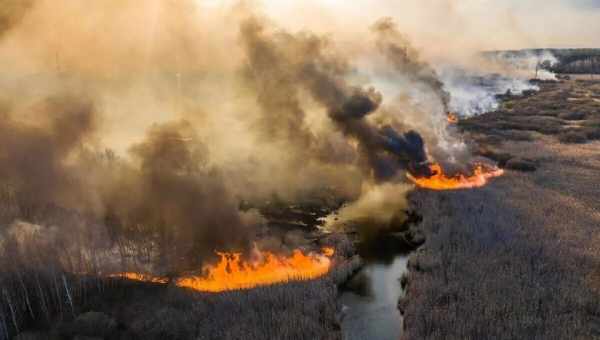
(452, 118)
(232, 272)
(284, 118)
(439, 180)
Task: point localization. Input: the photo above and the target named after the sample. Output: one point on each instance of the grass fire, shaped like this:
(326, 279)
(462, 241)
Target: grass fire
(265, 170)
(439, 180)
(234, 273)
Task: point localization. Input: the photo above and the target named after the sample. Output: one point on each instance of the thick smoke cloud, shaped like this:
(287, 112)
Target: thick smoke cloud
(173, 195)
(166, 195)
(37, 145)
(171, 122)
(271, 77)
(305, 62)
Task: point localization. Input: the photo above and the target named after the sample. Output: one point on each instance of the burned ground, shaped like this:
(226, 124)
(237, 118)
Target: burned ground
(517, 259)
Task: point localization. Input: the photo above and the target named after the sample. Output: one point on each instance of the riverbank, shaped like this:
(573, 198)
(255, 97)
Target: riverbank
(517, 259)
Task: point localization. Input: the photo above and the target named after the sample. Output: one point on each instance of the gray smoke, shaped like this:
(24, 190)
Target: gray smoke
(166, 199)
(173, 195)
(406, 59)
(36, 146)
(305, 62)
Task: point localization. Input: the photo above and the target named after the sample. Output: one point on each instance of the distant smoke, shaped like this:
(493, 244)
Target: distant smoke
(475, 94)
(406, 59)
(527, 64)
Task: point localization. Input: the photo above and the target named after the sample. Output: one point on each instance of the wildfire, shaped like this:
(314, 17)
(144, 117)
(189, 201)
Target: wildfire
(440, 181)
(140, 277)
(452, 118)
(232, 272)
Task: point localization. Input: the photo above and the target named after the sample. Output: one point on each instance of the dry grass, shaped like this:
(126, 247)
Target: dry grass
(43, 297)
(519, 258)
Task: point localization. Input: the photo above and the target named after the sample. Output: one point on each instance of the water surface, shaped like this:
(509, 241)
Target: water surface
(370, 301)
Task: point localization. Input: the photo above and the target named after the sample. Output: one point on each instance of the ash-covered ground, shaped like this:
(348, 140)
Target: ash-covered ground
(519, 258)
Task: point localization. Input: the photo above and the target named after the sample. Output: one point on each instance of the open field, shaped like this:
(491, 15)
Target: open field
(517, 259)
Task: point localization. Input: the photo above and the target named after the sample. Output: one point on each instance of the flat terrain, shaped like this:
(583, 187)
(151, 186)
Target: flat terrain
(520, 258)
(517, 259)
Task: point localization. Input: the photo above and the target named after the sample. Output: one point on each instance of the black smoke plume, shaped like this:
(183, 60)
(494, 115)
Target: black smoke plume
(174, 196)
(36, 150)
(305, 62)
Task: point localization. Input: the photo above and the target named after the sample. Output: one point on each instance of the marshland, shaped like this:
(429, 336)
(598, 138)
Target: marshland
(195, 169)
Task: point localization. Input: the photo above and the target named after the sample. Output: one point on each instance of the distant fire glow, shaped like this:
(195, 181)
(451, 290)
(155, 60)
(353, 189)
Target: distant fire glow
(452, 118)
(440, 181)
(141, 277)
(234, 273)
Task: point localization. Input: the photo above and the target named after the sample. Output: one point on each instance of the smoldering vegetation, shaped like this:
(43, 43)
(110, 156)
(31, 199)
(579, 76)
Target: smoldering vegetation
(566, 110)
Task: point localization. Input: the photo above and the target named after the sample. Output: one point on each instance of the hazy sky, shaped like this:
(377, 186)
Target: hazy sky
(112, 44)
(484, 24)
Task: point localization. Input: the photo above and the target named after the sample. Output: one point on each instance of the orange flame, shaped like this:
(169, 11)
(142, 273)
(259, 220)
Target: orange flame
(140, 277)
(452, 118)
(440, 181)
(329, 252)
(232, 273)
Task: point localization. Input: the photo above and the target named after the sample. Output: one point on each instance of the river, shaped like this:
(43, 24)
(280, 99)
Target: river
(370, 300)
